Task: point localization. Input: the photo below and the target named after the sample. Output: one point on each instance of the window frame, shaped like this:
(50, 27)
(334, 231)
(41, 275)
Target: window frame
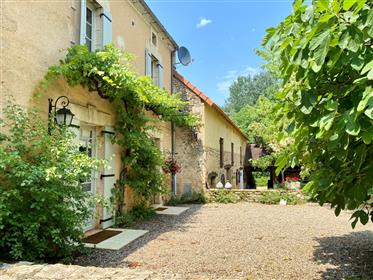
(221, 151)
(154, 39)
(154, 68)
(240, 155)
(90, 6)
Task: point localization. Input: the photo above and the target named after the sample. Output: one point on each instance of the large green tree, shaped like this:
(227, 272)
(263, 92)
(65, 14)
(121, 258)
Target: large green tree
(259, 122)
(246, 90)
(323, 53)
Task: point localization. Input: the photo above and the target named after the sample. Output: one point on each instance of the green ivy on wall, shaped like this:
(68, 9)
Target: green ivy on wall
(108, 73)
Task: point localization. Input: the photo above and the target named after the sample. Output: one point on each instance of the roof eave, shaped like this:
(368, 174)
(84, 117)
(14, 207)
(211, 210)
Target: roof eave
(208, 101)
(157, 21)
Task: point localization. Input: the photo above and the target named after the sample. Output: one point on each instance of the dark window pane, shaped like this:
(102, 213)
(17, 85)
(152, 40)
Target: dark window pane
(86, 187)
(221, 144)
(89, 15)
(89, 31)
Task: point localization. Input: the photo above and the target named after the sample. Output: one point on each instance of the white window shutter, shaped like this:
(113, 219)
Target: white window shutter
(160, 75)
(148, 63)
(108, 176)
(83, 15)
(107, 35)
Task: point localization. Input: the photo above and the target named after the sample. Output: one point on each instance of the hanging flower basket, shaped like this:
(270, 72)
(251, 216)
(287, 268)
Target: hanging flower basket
(171, 166)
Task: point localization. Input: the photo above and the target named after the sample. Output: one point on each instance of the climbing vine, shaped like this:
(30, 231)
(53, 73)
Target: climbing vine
(136, 99)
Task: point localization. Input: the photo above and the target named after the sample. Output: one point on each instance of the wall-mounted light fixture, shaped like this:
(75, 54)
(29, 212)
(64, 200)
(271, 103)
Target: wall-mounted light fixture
(62, 116)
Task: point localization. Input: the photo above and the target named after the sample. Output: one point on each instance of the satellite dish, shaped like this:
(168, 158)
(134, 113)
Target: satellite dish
(184, 56)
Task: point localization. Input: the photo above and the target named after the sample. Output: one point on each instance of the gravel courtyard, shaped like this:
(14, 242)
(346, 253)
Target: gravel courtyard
(247, 241)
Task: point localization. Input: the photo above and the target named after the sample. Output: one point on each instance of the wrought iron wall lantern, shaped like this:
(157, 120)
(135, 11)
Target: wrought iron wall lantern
(62, 116)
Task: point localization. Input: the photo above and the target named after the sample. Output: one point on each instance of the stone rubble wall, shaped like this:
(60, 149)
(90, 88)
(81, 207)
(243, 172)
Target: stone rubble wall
(189, 145)
(252, 195)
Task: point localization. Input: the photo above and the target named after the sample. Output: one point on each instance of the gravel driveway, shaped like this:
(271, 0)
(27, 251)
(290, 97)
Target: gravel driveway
(247, 241)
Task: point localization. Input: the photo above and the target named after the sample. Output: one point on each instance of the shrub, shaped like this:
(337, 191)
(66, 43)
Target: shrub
(187, 198)
(42, 204)
(270, 198)
(137, 214)
(225, 196)
(274, 197)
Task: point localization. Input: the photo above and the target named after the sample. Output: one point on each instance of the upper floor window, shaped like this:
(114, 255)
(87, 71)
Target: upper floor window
(221, 152)
(89, 41)
(232, 153)
(153, 68)
(154, 39)
(95, 25)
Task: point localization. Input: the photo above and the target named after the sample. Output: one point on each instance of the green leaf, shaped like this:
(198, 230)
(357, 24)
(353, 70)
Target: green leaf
(369, 23)
(352, 125)
(322, 50)
(322, 5)
(326, 17)
(367, 67)
(351, 39)
(347, 4)
(357, 62)
(308, 14)
(367, 137)
(336, 6)
(366, 100)
(326, 121)
(361, 154)
(331, 105)
(370, 75)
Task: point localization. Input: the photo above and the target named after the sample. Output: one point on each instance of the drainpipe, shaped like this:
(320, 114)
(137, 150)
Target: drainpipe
(173, 126)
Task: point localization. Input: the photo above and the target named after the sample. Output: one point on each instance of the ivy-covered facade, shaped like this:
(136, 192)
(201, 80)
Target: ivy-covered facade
(130, 26)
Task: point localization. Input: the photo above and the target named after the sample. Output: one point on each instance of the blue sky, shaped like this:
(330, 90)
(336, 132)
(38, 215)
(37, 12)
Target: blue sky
(221, 36)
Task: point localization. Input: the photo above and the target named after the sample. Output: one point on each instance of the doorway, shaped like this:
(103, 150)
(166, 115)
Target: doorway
(87, 145)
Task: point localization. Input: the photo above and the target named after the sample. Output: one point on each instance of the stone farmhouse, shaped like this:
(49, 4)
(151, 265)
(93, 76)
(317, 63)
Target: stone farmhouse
(36, 35)
(215, 152)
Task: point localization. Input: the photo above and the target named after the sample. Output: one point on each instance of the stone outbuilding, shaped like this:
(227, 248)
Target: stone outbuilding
(215, 151)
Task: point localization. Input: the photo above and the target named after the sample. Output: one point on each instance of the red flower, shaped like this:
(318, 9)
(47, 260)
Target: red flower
(171, 166)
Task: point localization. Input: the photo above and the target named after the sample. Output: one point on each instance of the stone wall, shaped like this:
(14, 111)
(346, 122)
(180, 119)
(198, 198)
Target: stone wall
(254, 195)
(214, 169)
(189, 146)
(200, 160)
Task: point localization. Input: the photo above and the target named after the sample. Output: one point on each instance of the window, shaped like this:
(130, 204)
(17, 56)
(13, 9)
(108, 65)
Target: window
(232, 153)
(89, 27)
(154, 39)
(95, 25)
(221, 151)
(155, 70)
(240, 155)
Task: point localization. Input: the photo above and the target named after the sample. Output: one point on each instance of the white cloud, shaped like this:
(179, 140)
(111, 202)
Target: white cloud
(231, 76)
(203, 22)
